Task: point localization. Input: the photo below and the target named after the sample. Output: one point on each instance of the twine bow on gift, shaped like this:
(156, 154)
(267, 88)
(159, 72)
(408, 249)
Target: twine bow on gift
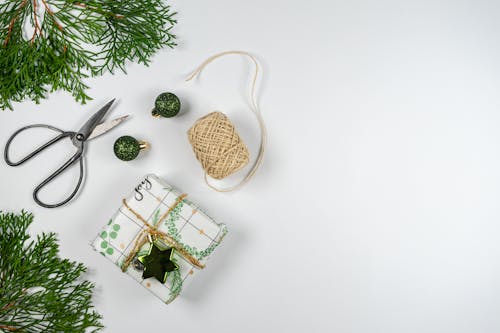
(151, 233)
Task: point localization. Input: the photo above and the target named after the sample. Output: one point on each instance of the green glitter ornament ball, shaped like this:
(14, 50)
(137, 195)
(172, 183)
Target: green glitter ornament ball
(166, 105)
(127, 148)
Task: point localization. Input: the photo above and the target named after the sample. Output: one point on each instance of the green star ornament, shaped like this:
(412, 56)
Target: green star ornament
(158, 263)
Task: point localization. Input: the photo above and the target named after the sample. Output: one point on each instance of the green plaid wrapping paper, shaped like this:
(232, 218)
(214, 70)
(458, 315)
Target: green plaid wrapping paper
(194, 230)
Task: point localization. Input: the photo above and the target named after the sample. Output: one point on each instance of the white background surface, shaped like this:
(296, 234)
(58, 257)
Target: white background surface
(376, 209)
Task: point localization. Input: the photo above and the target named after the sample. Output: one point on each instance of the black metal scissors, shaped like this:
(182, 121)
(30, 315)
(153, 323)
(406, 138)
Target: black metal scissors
(90, 130)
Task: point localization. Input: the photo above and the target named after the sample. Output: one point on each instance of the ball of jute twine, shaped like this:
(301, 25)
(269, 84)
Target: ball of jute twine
(215, 141)
(217, 145)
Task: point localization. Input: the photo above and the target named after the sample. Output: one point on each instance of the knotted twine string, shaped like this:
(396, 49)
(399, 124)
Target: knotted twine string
(152, 231)
(218, 129)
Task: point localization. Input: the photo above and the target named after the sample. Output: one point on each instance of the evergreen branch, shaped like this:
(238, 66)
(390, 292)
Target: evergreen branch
(13, 20)
(75, 40)
(35, 19)
(51, 13)
(40, 292)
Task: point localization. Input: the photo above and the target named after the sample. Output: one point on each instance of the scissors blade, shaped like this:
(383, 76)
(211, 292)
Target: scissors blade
(89, 126)
(107, 126)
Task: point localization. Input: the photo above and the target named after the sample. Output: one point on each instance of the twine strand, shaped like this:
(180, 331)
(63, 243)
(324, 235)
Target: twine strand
(255, 110)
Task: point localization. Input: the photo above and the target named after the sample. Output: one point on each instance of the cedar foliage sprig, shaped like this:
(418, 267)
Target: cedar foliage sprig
(40, 292)
(72, 40)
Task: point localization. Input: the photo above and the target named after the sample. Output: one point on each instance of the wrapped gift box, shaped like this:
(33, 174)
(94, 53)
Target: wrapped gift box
(193, 232)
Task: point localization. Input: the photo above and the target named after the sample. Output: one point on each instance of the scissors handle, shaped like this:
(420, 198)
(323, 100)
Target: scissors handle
(78, 156)
(62, 135)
